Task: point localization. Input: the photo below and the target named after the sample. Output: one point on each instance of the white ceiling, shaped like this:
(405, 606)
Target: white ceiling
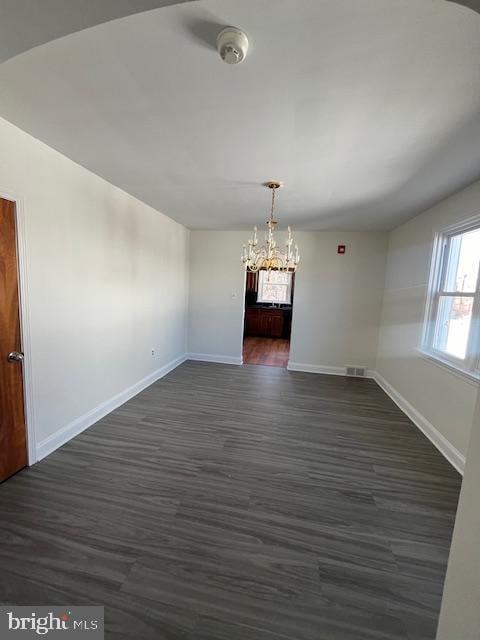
(368, 110)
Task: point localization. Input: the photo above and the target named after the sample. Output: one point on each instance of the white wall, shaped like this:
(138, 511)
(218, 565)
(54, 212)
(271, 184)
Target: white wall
(336, 306)
(107, 283)
(338, 299)
(217, 286)
(441, 397)
(460, 612)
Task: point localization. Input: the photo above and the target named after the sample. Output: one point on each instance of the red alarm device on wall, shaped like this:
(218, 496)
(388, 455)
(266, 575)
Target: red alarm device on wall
(341, 248)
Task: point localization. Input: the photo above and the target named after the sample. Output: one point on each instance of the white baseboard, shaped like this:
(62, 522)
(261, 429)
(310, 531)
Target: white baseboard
(63, 435)
(452, 454)
(319, 368)
(208, 357)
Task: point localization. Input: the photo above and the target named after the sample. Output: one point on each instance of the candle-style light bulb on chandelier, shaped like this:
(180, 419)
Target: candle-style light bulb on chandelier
(269, 256)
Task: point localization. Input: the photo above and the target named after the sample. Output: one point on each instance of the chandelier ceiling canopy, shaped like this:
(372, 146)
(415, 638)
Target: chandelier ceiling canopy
(268, 256)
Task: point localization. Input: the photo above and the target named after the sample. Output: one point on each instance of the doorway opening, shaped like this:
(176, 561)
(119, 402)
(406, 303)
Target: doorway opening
(268, 317)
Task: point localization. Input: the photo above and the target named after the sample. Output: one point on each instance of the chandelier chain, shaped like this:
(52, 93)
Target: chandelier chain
(273, 202)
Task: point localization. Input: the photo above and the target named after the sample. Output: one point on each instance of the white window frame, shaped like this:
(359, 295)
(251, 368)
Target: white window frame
(470, 366)
(261, 276)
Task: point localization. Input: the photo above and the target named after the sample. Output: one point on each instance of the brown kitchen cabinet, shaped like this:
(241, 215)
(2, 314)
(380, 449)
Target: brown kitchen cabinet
(264, 321)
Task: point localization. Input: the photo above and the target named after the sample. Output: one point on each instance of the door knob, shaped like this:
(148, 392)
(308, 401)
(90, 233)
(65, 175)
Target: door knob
(15, 356)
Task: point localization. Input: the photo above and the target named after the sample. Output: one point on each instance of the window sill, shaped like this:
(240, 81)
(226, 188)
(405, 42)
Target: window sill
(467, 376)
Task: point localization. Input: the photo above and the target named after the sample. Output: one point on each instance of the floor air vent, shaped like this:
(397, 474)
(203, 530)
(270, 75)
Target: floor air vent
(358, 372)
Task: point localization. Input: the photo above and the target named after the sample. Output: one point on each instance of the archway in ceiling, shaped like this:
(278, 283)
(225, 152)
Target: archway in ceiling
(29, 23)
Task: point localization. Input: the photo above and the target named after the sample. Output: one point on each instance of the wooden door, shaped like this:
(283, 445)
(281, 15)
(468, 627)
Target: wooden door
(13, 446)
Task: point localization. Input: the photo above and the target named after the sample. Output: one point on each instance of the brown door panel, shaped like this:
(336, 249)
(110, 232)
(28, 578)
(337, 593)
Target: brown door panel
(13, 450)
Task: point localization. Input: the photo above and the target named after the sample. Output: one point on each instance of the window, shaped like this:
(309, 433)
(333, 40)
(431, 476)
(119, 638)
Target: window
(452, 326)
(274, 286)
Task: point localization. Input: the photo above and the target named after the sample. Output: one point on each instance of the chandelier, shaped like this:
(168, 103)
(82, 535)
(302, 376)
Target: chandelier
(269, 256)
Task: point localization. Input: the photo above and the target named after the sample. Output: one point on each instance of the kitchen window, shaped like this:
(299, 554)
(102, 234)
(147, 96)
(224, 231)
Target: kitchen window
(275, 287)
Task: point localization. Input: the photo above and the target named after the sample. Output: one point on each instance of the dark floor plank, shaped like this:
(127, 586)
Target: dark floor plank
(232, 502)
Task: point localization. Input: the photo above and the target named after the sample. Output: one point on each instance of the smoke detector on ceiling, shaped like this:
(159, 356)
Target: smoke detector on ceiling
(232, 45)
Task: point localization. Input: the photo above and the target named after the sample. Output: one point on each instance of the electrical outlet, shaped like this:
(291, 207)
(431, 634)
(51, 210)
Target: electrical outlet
(153, 353)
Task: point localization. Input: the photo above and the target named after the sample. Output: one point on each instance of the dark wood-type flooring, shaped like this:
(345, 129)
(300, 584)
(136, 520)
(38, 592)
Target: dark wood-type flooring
(273, 352)
(238, 503)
